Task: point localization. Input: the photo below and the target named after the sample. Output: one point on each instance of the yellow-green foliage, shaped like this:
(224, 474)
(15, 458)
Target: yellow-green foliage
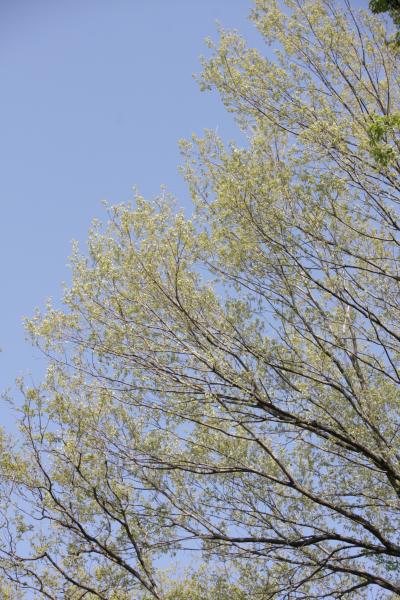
(224, 389)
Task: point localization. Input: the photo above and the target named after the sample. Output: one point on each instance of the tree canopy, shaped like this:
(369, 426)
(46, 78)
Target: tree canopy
(220, 415)
(388, 6)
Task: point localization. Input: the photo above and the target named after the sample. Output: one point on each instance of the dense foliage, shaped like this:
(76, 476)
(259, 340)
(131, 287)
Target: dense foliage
(223, 391)
(392, 7)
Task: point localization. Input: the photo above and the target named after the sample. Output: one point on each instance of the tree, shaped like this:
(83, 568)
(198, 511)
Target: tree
(227, 386)
(390, 6)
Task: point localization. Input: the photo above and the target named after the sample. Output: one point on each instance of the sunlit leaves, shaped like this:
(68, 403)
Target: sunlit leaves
(223, 389)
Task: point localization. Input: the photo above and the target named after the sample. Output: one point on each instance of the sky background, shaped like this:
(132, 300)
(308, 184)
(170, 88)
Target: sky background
(95, 95)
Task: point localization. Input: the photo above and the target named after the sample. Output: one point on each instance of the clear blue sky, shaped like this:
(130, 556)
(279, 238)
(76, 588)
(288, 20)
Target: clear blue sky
(95, 95)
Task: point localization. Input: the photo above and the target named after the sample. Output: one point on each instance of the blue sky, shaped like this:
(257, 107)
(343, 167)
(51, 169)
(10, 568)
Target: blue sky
(95, 96)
